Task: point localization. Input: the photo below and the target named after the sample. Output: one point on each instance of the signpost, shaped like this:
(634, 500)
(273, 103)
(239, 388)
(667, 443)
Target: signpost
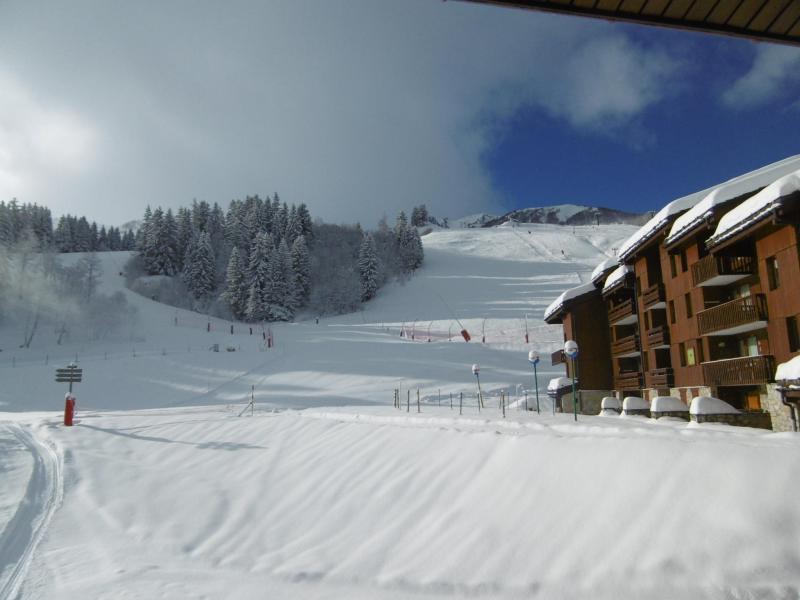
(533, 358)
(71, 374)
(571, 351)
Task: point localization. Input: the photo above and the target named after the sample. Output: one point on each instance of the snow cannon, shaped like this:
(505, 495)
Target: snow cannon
(465, 335)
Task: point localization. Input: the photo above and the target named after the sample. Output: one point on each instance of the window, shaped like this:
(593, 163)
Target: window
(684, 264)
(671, 312)
(772, 273)
(673, 271)
(700, 355)
(690, 357)
(688, 299)
(682, 353)
(794, 334)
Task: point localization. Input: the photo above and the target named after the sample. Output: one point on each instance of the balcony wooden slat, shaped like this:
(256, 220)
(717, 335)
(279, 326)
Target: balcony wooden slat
(625, 345)
(658, 336)
(631, 380)
(660, 378)
(742, 311)
(712, 266)
(653, 295)
(747, 370)
(622, 310)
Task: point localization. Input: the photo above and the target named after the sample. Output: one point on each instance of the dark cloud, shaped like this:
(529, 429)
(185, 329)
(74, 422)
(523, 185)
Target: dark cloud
(357, 108)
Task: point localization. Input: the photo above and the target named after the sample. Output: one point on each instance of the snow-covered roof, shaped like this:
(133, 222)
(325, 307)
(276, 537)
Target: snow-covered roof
(557, 383)
(603, 267)
(733, 187)
(569, 294)
(729, 190)
(668, 404)
(617, 277)
(658, 222)
(789, 371)
(708, 405)
(756, 207)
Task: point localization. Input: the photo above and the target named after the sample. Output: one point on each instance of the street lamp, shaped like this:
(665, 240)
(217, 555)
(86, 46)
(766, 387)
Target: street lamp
(571, 350)
(533, 358)
(476, 371)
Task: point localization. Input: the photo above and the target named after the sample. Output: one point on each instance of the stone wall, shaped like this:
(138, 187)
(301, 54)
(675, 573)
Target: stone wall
(589, 401)
(680, 414)
(771, 402)
(759, 420)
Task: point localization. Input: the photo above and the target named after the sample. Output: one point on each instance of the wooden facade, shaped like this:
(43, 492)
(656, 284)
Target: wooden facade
(583, 320)
(697, 316)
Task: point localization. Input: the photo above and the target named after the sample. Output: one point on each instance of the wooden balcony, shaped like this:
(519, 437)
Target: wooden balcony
(631, 380)
(654, 297)
(627, 346)
(658, 337)
(660, 378)
(721, 270)
(738, 316)
(748, 370)
(623, 313)
(558, 358)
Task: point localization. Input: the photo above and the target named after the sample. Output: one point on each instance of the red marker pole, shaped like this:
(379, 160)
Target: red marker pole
(69, 409)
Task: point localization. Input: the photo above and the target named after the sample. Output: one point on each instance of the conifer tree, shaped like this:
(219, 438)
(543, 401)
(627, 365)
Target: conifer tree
(235, 294)
(199, 273)
(368, 268)
(301, 268)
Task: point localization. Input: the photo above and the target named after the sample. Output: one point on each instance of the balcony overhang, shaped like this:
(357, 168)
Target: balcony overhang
(723, 280)
(629, 320)
(743, 328)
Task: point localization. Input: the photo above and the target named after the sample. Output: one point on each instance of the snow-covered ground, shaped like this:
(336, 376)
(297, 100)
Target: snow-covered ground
(162, 491)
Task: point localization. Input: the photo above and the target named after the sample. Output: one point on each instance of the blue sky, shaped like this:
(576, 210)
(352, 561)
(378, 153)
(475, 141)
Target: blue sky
(690, 139)
(362, 108)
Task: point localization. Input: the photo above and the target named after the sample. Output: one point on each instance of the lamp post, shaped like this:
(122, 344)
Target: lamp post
(476, 371)
(571, 350)
(533, 358)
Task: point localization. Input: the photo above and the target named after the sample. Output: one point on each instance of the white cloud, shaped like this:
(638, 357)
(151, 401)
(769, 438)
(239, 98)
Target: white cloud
(775, 69)
(39, 142)
(356, 108)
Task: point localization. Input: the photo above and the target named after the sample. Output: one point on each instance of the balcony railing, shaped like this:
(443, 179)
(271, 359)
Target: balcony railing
(721, 270)
(748, 370)
(626, 345)
(658, 337)
(558, 358)
(660, 378)
(631, 380)
(624, 311)
(740, 315)
(654, 296)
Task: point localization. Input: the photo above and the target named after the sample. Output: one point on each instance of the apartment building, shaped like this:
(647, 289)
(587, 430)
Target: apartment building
(699, 304)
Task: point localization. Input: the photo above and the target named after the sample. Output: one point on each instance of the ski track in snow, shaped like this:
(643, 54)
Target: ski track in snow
(25, 529)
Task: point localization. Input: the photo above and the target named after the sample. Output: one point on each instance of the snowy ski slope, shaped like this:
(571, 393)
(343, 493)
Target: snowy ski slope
(162, 491)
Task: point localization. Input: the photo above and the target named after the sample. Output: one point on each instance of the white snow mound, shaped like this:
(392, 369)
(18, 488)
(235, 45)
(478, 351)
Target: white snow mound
(708, 405)
(668, 404)
(635, 403)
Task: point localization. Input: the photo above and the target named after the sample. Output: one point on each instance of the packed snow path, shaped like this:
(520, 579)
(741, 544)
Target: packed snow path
(20, 536)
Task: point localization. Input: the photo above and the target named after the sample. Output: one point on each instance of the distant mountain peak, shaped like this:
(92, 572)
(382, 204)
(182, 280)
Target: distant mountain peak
(570, 214)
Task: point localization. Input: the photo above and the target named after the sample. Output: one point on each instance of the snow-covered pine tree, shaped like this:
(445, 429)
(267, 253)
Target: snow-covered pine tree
(280, 291)
(235, 294)
(294, 228)
(301, 268)
(183, 235)
(199, 274)
(258, 272)
(305, 221)
(368, 268)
